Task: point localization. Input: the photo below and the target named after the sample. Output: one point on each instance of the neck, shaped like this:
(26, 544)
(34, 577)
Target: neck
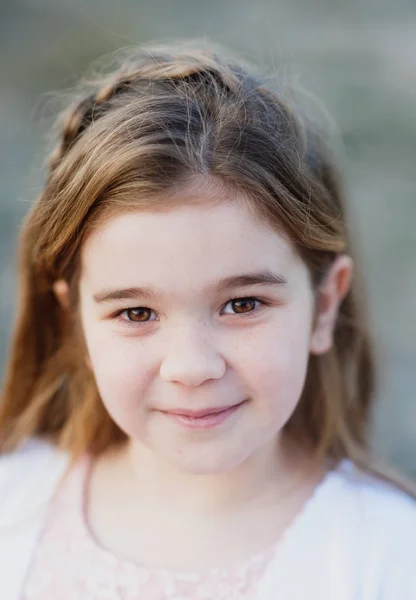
(268, 476)
(219, 519)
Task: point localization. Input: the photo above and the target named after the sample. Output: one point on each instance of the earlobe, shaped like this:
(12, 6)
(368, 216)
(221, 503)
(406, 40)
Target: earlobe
(320, 342)
(61, 291)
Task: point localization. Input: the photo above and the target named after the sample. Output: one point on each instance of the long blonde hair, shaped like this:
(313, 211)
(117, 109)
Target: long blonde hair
(163, 115)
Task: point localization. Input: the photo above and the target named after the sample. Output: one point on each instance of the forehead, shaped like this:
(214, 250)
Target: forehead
(187, 245)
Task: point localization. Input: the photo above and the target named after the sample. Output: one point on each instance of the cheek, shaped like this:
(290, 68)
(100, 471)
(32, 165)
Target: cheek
(276, 372)
(121, 370)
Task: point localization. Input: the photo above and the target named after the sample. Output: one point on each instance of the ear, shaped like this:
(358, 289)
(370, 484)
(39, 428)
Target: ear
(61, 290)
(328, 298)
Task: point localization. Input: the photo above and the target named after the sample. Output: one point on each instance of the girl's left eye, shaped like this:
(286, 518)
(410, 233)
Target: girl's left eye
(245, 306)
(242, 303)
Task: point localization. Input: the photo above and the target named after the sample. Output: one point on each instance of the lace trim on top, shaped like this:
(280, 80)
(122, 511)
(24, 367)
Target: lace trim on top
(70, 562)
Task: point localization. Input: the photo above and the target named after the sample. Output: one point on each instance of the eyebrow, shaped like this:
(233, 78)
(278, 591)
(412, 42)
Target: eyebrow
(264, 277)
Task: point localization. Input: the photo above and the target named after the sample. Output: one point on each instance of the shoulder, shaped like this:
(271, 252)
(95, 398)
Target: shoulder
(27, 476)
(31, 453)
(384, 519)
(378, 502)
(356, 539)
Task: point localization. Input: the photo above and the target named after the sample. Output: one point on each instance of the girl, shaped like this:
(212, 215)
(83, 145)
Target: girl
(185, 410)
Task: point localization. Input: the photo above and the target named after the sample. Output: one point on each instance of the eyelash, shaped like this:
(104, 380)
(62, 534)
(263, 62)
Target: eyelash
(117, 316)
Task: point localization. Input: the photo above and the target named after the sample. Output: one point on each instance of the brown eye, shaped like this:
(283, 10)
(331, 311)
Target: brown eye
(137, 315)
(242, 305)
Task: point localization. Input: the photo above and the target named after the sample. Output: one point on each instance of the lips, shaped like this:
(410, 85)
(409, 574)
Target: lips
(198, 414)
(206, 418)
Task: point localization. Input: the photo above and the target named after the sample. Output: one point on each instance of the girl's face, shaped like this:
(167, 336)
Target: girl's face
(168, 344)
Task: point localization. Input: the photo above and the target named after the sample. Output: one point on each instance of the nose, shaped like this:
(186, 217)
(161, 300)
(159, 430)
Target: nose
(190, 358)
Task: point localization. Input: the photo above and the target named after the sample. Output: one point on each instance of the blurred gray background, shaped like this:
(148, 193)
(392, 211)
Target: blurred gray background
(358, 58)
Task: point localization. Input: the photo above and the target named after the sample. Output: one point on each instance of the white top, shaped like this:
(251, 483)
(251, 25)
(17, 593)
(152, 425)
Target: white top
(354, 540)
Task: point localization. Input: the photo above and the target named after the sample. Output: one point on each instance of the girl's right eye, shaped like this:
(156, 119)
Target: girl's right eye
(135, 315)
